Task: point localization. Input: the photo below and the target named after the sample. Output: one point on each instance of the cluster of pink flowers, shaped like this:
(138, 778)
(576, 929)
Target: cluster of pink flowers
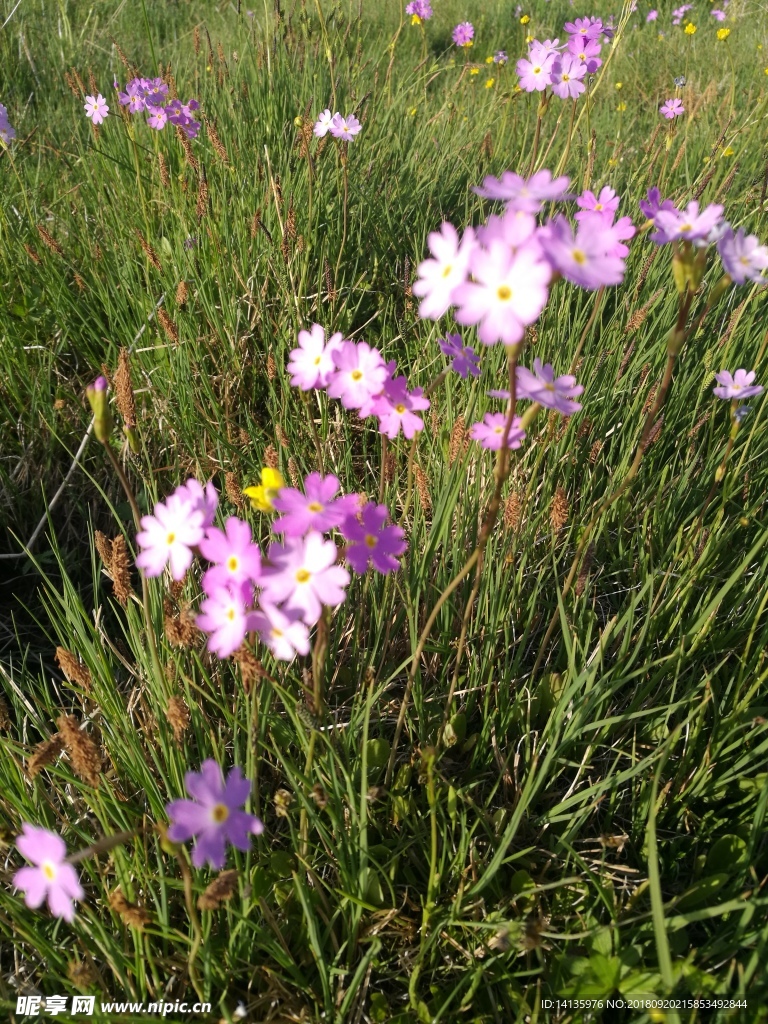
(563, 67)
(344, 128)
(672, 108)
(498, 275)
(297, 579)
(463, 34)
(357, 375)
(679, 13)
(421, 9)
(6, 131)
(151, 96)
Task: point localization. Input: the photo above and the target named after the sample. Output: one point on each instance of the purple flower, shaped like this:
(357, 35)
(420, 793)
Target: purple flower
(226, 617)
(584, 258)
(535, 72)
(213, 816)
(589, 27)
(396, 407)
(672, 108)
(744, 259)
(439, 277)
(345, 128)
(651, 16)
(283, 632)
(316, 509)
(180, 114)
(654, 203)
(303, 575)
(157, 117)
(508, 291)
(500, 57)
(463, 34)
(236, 558)
(567, 74)
(526, 196)
(737, 386)
(370, 541)
(323, 123)
(543, 387)
(464, 359)
(587, 51)
(51, 876)
(96, 108)
(717, 14)
(606, 202)
(359, 376)
(421, 9)
(202, 499)
(168, 536)
(689, 224)
(6, 131)
(490, 432)
(311, 364)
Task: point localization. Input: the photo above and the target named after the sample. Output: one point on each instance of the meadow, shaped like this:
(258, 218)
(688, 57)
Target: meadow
(439, 692)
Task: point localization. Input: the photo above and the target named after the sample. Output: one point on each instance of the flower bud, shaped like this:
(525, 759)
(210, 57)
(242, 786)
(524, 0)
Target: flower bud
(96, 394)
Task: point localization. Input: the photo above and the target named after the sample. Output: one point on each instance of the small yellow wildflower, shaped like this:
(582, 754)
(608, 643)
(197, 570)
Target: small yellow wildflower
(706, 160)
(489, 60)
(415, 19)
(728, 151)
(412, 112)
(474, 71)
(619, 85)
(766, 71)
(723, 33)
(529, 39)
(263, 495)
(621, 107)
(489, 83)
(612, 161)
(525, 19)
(518, 87)
(759, 46)
(690, 28)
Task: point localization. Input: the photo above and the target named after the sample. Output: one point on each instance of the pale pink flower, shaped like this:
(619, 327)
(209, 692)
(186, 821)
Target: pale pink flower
(169, 536)
(359, 375)
(439, 277)
(303, 576)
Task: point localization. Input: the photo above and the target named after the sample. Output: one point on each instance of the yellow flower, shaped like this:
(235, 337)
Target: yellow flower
(489, 83)
(412, 112)
(529, 39)
(706, 160)
(728, 151)
(690, 28)
(489, 60)
(612, 161)
(621, 107)
(263, 495)
(415, 19)
(619, 85)
(474, 71)
(525, 19)
(759, 46)
(723, 33)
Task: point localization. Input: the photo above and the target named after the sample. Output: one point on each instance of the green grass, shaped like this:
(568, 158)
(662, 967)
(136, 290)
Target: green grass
(596, 828)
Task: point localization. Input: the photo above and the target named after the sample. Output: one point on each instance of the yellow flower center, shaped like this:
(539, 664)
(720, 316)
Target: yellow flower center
(314, 506)
(447, 270)
(49, 869)
(566, 78)
(370, 540)
(231, 614)
(537, 71)
(302, 576)
(356, 375)
(220, 813)
(598, 206)
(317, 360)
(686, 227)
(579, 256)
(170, 538)
(504, 292)
(400, 408)
(232, 563)
(277, 632)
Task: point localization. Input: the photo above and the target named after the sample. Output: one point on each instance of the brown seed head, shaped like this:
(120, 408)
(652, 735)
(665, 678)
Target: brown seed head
(31, 253)
(559, 510)
(182, 294)
(234, 493)
(271, 367)
(75, 671)
(594, 452)
(180, 629)
(282, 437)
(123, 383)
(293, 472)
(222, 888)
(45, 753)
(202, 197)
(165, 177)
(422, 488)
(456, 445)
(169, 327)
(83, 752)
(49, 240)
(178, 717)
(185, 145)
(149, 251)
(251, 669)
(270, 457)
(131, 913)
(82, 973)
(512, 509)
(120, 568)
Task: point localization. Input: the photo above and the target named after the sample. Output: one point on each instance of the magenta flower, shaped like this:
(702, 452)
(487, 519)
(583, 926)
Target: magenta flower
(180, 114)
(508, 292)
(654, 203)
(439, 277)
(371, 542)
(168, 536)
(606, 202)
(359, 376)
(213, 816)
(526, 196)
(132, 97)
(225, 616)
(717, 14)
(586, 50)
(396, 407)
(651, 16)
(311, 364)
(589, 27)
(672, 108)
(96, 108)
(302, 574)
(420, 9)
(51, 876)
(737, 386)
(282, 631)
(464, 360)
(316, 509)
(689, 224)
(323, 123)
(744, 259)
(514, 228)
(236, 558)
(345, 128)
(463, 34)
(584, 258)
(157, 117)
(543, 387)
(6, 131)
(567, 75)
(490, 432)
(202, 499)
(535, 71)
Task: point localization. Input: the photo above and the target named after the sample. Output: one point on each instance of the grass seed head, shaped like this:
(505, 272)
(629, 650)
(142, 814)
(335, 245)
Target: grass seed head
(83, 751)
(74, 669)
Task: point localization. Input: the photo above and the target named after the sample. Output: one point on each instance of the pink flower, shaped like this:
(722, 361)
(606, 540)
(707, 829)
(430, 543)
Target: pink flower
(651, 16)
(302, 574)
(345, 128)
(737, 386)
(323, 123)
(157, 117)
(744, 259)
(396, 407)
(587, 51)
(606, 202)
(526, 196)
(205, 500)
(508, 292)
(316, 509)
(168, 536)
(535, 72)
(567, 74)
(463, 34)
(439, 277)
(490, 432)
(311, 364)
(718, 15)
(51, 876)
(584, 258)
(236, 558)
(96, 108)
(689, 224)
(282, 631)
(359, 376)
(672, 108)
(225, 615)
(589, 27)
(543, 387)
(370, 541)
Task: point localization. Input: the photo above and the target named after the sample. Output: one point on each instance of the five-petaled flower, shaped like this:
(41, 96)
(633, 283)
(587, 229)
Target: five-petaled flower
(96, 108)
(51, 876)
